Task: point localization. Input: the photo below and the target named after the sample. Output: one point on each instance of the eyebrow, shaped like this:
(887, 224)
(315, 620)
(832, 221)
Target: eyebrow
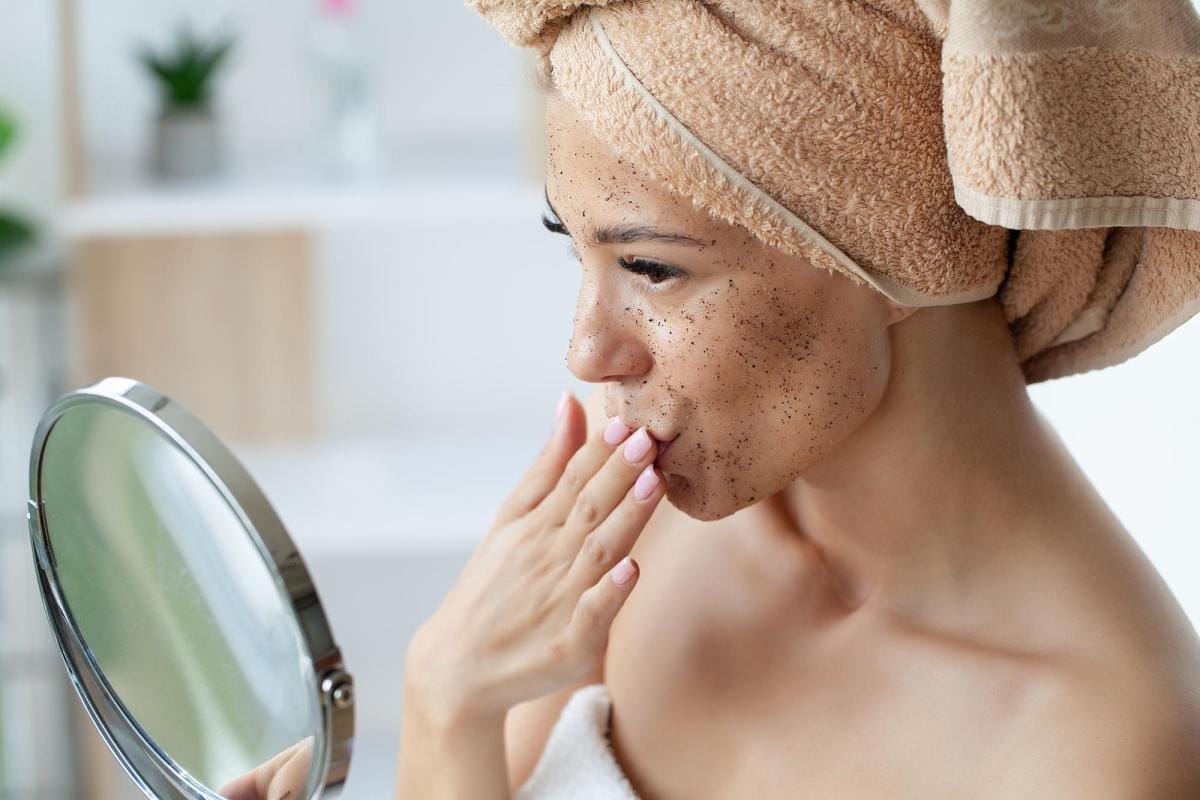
(626, 233)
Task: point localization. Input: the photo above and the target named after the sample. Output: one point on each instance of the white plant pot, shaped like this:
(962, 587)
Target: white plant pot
(187, 144)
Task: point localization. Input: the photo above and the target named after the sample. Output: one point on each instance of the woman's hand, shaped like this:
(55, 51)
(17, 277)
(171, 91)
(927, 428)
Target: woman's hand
(530, 612)
(281, 777)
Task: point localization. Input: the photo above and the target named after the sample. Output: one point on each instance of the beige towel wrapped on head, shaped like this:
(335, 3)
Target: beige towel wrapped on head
(942, 151)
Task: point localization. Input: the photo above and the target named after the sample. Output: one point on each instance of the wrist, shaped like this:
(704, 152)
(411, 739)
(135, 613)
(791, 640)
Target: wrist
(442, 694)
(448, 751)
(447, 714)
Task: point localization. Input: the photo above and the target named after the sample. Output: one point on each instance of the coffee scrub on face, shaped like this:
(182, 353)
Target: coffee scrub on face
(759, 362)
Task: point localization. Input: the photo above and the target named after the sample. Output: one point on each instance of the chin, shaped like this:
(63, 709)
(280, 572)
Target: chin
(707, 506)
(693, 502)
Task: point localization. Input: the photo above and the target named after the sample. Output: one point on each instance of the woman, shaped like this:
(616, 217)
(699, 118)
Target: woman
(879, 573)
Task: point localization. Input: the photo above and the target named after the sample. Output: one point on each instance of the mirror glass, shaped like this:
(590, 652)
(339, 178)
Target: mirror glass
(180, 609)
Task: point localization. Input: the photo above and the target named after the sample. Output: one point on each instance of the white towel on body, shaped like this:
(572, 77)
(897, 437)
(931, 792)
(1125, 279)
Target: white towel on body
(577, 762)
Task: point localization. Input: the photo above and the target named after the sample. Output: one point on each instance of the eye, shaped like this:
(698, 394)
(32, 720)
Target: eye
(657, 273)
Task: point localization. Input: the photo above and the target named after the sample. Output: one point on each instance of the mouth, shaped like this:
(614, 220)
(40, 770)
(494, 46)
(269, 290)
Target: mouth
(663, 448)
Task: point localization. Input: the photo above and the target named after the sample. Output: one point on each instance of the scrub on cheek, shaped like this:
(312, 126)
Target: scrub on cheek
(774, 378)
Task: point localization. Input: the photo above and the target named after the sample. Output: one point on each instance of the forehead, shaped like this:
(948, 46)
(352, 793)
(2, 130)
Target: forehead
(581, 164)
(568, 136)
(584, 172)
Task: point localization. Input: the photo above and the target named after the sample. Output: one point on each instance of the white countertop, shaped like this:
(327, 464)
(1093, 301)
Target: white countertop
(416, 493)
(256, 204)
(439, 183)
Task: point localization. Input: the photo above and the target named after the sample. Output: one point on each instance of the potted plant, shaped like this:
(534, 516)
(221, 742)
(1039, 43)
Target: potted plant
(187, 141)
(15, 232)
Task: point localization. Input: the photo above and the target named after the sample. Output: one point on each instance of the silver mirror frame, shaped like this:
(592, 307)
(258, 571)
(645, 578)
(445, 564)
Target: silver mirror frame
(154, 772)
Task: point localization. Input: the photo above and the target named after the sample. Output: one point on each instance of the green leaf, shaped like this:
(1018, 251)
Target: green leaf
(186, 72)
(14, 234)
(8, 131)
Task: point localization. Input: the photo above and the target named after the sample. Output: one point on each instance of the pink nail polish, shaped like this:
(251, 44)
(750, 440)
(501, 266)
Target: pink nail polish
(637, 446)
(647, 480)
(622, 572)
(616, 431)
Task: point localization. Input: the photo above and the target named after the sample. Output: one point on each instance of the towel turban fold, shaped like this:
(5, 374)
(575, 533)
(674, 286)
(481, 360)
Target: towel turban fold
(941, 151)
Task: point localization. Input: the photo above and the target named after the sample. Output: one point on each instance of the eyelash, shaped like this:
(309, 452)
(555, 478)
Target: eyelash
(553, 225)
(657, 273)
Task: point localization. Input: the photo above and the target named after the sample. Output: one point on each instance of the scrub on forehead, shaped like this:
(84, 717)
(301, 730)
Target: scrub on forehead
(759, 361)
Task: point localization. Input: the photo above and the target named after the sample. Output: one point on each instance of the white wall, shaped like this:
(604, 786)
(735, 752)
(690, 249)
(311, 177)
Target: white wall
(441, 73)
(1134, 428)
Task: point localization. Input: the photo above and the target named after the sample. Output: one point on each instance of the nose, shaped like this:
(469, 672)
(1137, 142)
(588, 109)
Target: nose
(605, 345)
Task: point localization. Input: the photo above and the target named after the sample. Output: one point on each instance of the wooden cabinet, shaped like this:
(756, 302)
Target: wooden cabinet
(220, 321)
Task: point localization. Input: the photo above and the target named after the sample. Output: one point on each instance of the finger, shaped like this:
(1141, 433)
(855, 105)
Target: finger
(290, 781)
(616, 535)
(569, 433)
(598, 606)
(597, 499)
(254, 784)
(241, 788)
(582, 467)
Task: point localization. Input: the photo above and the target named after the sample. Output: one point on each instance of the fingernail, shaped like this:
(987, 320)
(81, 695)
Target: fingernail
(645, 483)
(562, 406)
(616, 431)
(637, 447)
(623, 571)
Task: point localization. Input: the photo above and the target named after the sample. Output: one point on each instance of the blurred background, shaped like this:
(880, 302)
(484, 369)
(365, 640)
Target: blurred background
(316, 224)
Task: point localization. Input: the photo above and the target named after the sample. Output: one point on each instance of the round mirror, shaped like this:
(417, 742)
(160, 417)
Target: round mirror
(187, 620)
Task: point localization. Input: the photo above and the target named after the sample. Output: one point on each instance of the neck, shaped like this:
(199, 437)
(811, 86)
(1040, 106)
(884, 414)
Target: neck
(954, 471)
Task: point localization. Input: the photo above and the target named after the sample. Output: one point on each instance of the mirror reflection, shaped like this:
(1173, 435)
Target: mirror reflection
(175, 602)
(284, 776)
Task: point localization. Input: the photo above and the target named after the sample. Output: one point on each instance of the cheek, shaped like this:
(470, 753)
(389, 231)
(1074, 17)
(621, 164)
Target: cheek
(774, 383)
(822, 368)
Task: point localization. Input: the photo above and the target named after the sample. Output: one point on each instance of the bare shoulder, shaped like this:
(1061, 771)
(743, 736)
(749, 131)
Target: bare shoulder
(1119, 737)
(1118, 714)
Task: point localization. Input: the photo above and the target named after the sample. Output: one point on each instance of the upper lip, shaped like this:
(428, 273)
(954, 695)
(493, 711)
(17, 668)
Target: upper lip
(661, 440)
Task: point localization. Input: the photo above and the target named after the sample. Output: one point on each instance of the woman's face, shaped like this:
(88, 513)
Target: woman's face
(758, 361)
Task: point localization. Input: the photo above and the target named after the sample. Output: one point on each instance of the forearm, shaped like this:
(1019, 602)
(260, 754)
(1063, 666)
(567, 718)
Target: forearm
(448, 753)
